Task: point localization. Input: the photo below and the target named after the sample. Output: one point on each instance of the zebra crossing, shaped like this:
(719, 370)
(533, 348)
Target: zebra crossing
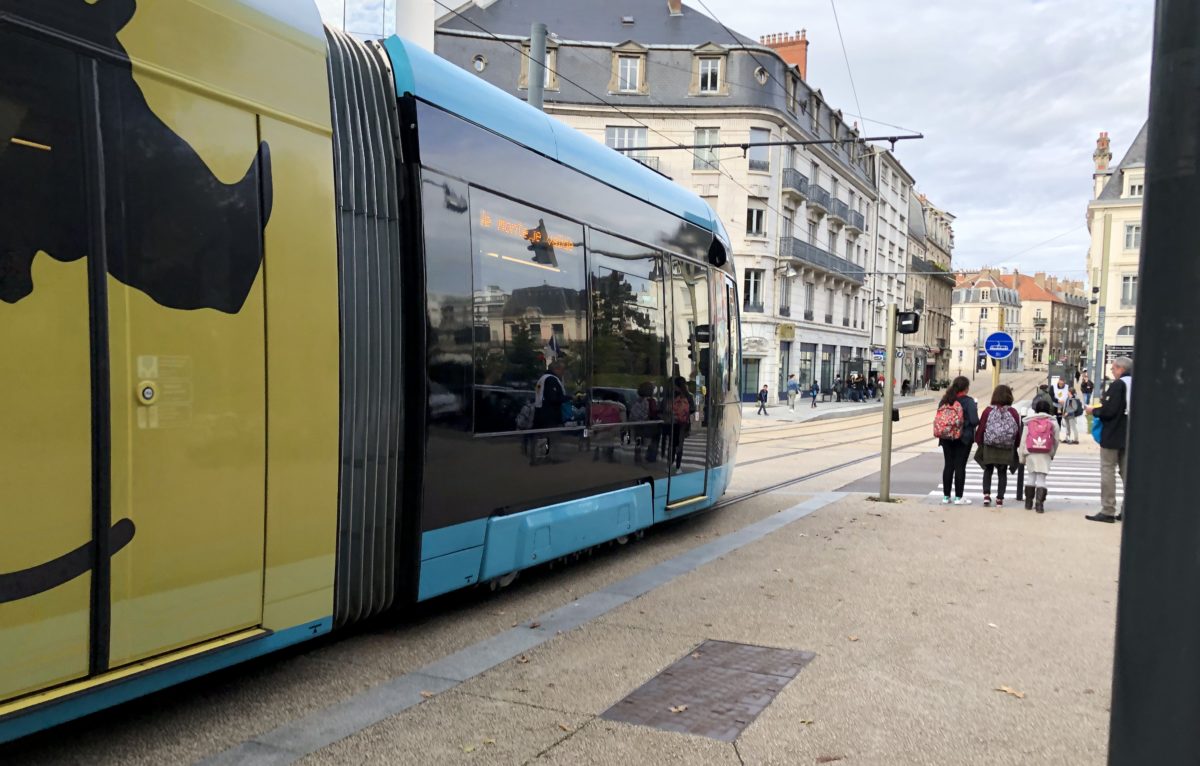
(1071, 478)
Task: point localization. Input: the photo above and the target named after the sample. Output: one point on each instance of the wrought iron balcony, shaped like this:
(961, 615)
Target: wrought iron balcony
(829, 319)
(941, 343)
(811, 255)
(808, 315)
(795, 183)
(785, 311)
(650, 162)
(922, 266)
(839, 211)
(1040, 321)
(1039, 342)
(818, 199)
(752, 308)
(845, 321)
(857, 223)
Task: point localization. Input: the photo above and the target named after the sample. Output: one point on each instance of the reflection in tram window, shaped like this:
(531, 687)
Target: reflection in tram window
(691, 336)
(530, 317)
(629, 348)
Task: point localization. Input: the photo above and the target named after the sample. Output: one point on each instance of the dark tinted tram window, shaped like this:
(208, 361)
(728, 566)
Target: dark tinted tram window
(629, 338)
(530, 317)
(733, 351)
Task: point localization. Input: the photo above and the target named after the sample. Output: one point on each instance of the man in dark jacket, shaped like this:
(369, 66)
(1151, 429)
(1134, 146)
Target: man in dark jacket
(1113, 412)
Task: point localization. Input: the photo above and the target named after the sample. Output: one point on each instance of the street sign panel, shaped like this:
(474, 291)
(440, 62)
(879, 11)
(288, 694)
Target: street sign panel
(878, 354)
(999, 345)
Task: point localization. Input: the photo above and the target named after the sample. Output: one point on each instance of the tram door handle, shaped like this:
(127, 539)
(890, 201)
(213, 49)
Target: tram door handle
(147, 393)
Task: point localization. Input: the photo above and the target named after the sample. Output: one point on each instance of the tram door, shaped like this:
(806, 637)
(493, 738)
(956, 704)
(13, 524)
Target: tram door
(689, 381)
(188, 382)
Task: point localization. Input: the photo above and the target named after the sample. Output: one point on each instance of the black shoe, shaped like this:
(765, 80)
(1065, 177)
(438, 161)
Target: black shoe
(1119, 516)
(1102, 517)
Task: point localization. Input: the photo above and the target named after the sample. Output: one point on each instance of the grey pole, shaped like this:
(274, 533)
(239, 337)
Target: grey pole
(1156, 697)
(889, 366)
(537, 64)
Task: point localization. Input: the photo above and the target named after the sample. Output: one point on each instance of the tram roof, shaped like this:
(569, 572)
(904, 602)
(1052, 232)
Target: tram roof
(437, 81)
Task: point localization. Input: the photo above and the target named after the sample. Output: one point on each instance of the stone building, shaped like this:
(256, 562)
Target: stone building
(983, 304)
(890, 265)
(802, 218)
(1053, 320)
(1114, 218)
(930, 290)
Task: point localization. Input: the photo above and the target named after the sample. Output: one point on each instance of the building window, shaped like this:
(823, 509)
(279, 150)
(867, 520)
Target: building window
(759, 156)
(625, 137)
(629, 74)
(985, 295)
(1125, 331)
(1129, 291)
(755, 226)
(752, 291)
(710, 74)
(829, 305)
(961, 332)
(1136, 189)
(549, 72)
(1133, 236)
(785, 294)
(785, 227)
(812, 232)
(705, 158)
(809, 300)
(983, 313)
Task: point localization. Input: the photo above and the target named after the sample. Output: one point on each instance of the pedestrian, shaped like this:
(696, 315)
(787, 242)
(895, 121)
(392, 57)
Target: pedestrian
(762, 400)
(793, 390)
(905, 387)
(837, 388)
(1072, 409)
(997, 437)
(1113, 412)
(1086, 386)
(1043, 394)
(954, 428)
(870, 387)
(1037, 453)
(815, 390)
(1060, 399)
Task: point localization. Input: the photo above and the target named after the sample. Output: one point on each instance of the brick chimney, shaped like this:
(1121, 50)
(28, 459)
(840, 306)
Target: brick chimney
(793, 48)
(1039, 279)
(675, 7)
(1102, 156)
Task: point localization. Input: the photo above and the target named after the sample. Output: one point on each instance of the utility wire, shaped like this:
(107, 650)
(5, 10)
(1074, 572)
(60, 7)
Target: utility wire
(846, 56)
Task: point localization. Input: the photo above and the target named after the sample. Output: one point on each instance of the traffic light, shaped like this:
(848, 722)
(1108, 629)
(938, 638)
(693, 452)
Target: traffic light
(907, 322)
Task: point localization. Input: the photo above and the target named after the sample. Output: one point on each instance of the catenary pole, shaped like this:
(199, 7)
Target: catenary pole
(885, 454)
(1156, 673)
(537, 64)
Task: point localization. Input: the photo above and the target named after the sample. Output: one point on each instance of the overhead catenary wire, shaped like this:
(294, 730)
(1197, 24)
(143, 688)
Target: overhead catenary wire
(846, 56)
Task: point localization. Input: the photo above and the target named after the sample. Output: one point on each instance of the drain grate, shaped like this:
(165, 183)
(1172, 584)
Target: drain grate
(715, 691)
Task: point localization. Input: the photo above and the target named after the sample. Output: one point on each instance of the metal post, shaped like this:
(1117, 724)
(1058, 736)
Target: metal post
(415, 20)
(537, 64)
(1156, 700)
(885, 454)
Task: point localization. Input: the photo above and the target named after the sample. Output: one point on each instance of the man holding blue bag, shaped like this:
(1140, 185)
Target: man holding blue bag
(1110, 423)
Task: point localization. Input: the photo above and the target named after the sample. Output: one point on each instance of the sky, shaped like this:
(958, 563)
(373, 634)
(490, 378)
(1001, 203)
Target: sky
(1010, 95)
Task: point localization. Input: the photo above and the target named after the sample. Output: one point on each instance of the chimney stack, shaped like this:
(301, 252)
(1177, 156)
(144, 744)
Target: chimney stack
(675, 7)
(792, 48)
(1102, 156)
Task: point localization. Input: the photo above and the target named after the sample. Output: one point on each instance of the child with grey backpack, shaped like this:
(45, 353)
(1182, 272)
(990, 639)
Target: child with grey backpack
(997, 437)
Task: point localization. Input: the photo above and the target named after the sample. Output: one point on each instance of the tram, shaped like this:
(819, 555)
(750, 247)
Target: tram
(298, 329)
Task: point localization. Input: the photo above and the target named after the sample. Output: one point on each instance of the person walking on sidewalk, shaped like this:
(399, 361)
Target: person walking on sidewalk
(762, 400)
(815, 391)
(1072, 409)
(954, 428)
(1086, 386)
(793, 390)
(997, 437)
(1113, 412)
(1037, 453)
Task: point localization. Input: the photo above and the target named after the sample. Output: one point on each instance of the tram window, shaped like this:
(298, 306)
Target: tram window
(732, 369)
(629, 331)
(528, 283)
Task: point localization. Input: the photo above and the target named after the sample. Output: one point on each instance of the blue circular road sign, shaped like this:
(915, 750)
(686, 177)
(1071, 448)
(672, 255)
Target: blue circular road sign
(999, 345)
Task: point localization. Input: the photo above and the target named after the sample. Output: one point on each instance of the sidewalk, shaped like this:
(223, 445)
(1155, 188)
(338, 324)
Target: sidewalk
(826, 410)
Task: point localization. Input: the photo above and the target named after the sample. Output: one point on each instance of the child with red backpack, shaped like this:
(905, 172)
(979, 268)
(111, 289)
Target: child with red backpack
(1037, 453)
(954, 428)
(997, 436)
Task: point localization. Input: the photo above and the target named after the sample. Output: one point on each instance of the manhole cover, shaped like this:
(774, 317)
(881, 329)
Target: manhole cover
(716, 690)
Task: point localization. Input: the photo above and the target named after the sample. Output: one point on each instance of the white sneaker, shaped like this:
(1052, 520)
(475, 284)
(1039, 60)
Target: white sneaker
(962, 501)
(946, 500)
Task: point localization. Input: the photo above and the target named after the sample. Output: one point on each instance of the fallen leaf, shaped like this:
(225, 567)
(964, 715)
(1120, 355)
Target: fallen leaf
(1012, 691)
(426, 695)
(807, 721)
(678, 708)
(564, 727)
(489, 741)
(534, 624)
(993, 625)
(778, 570)
(523, 659)
(803, 535)
(830, 758)
(468, 748)
(852, 638)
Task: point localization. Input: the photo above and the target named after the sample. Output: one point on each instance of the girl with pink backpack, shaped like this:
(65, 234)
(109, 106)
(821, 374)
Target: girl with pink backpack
(1037, 453)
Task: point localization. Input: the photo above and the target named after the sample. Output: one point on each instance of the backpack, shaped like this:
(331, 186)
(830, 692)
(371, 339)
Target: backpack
(681, 410)
(1039, 436)
(948, 422)
(640, 410)
(1001, 430)
(525, 417)
(1074, 407)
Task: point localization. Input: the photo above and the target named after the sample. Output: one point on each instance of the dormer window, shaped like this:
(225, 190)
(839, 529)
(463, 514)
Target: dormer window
(549, 73)
(710, 74)
(628, 70)
(627, 21)
(708, 71)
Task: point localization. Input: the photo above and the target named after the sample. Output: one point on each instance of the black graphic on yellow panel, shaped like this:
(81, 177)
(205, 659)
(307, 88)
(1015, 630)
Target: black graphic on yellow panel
(51, 574)
(189, 241)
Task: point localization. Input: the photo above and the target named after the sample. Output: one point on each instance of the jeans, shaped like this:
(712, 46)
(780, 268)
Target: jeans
(1087, 398)
(1111, 461)
(762, 407)
(792, 399)
(955, 453)
(1001, 480)
(1072, 432)
(814, 400)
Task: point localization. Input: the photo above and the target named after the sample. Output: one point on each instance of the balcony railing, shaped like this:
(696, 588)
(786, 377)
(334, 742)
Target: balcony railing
(808, 315)
(857, 222)
(650, 162)
(785, 311)
(818, 199)
(941, 342)
(829, 319)
(839, 211)
(845, 321)
(1039, 342)
(761, 165)
(790, 247)
(1040, 321)
(922, 266)
(795, 182)
(752, 308)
